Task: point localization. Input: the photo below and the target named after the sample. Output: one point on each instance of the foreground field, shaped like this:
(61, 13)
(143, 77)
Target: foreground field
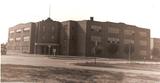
(129, 66)
(41, 74)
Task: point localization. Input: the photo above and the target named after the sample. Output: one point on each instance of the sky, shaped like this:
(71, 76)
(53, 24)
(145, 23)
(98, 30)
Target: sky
(142, 13)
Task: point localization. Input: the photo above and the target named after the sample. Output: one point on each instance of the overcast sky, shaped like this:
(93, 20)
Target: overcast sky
(142, 13)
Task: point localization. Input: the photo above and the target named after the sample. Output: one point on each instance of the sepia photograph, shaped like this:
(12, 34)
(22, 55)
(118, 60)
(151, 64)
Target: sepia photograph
(80, 41)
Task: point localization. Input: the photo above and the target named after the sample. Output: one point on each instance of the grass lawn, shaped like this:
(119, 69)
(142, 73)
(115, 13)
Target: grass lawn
(25, 73)
(135, 66)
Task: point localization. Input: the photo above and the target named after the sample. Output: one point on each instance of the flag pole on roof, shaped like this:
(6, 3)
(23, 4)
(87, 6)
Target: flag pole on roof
(49, 10)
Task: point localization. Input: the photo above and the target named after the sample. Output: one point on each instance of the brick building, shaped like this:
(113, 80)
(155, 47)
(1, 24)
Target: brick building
(155, 48)
(3, 49)
(81, 38)
(20, 37)
(46, 37)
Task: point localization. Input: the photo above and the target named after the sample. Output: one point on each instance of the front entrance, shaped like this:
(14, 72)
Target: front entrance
(46, 48)
(49, 50)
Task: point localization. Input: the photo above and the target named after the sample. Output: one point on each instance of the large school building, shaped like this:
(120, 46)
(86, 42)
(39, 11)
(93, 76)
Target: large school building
(80, 38)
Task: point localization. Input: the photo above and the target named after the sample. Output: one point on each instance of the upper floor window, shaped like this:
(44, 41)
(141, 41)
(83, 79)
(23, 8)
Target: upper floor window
(43, 37)
(26, 38)
(96, 28)
(53, 28)
(156, 41)
(129, 32)
(128, 41)
(113, 40)
(52, 37)
(96, 38)
(11, 32)
(26, 29)
(18, 39)
(11, 39)
(18, 30)
(143, 43)
(143, 52)
(43, 28)
(143, 34)
(113, 30)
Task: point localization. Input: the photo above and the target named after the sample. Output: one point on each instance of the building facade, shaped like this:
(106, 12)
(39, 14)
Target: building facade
(155, 48)
(3, 49)
(113, 40)
(20, 38)
(82, 38)
(47, 37)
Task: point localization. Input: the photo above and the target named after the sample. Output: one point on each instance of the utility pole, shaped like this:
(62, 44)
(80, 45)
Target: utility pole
(49, 50)
(130, 48)
(49, 11)
(96, 43)
(129, 52)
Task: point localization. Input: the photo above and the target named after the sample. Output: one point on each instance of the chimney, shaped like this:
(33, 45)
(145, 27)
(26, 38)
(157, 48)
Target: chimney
(91, 18)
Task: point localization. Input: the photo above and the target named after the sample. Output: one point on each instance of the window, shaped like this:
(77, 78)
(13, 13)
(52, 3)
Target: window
(11, 39)
(143, 52)
(43, 37)
(96, 28)
(113, 40)
(11, 32)
(143, 34)
(53, 28)
(26, 38)
(26, 29)
(43, 28)
(52, 37)
(129, 32)
(96, 38)
(18, 30)
(66, 28)
(143, 43)
(65, 25)
(113, 30)
(18, 39)
(128, 41)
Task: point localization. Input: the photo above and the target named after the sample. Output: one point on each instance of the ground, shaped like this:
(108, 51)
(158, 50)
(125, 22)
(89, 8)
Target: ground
(42, 69)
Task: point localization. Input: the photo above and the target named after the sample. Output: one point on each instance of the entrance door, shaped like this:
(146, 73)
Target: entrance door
(44, 49)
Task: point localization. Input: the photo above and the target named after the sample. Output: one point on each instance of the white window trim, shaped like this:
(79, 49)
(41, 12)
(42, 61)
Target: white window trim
(128, 41)
(18, 38)
(113, 39)
(26, 38)
(11, 31)
(26, 29)
(18, 30)
(11, 39)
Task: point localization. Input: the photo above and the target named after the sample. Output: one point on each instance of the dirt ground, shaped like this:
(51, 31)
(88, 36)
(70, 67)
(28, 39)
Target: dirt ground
(135, 66)
(41, 74)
